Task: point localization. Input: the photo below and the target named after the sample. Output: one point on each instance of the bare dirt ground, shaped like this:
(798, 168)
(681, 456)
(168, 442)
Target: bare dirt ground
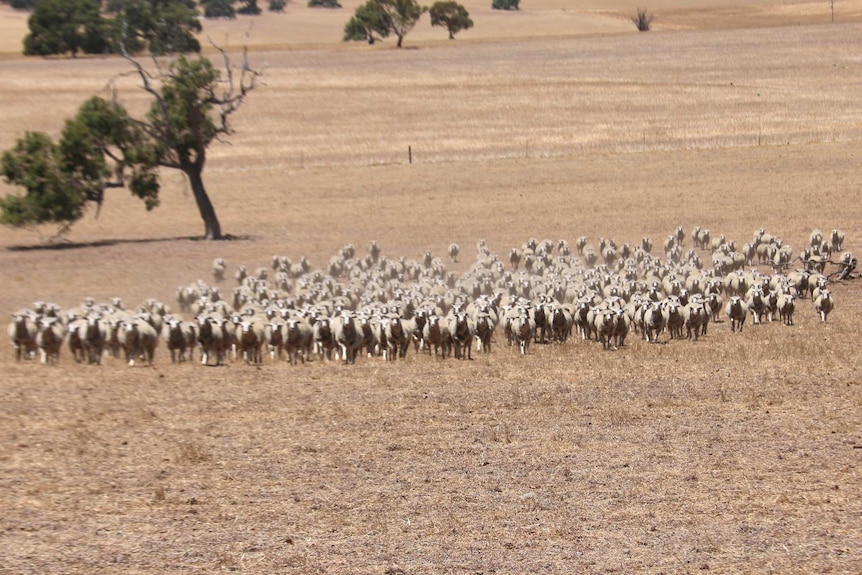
(738, 453)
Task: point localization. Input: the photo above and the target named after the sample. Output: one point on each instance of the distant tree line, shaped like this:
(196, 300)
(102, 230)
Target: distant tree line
(124, 26)
(377, 19)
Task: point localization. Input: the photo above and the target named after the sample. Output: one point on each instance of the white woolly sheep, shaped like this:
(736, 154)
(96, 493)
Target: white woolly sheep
(454, 250)
(824, 303)
(22, 331)
(736, 311)
(49, 339)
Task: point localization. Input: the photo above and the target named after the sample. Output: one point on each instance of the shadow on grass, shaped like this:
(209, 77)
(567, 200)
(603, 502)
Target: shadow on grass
(69, 245)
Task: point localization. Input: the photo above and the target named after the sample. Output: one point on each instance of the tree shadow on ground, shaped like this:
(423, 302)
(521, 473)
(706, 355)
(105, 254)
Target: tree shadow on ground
(70, 245)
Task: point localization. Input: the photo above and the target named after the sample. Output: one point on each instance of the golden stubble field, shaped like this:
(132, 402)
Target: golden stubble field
(735, 454)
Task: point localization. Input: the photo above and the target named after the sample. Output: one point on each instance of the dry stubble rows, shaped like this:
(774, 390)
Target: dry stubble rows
(736, 454)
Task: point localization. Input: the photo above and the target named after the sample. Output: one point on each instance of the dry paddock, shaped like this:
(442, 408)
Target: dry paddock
(738, 453)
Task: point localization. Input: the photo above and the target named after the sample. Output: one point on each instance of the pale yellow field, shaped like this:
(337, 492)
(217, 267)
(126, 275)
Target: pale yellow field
(738, 453)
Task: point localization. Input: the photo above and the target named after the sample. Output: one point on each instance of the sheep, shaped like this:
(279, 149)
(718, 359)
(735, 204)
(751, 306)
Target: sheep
(22, 331)
(437, 336)
(654, 321)
(396, 338)
(414, 326)
(218, 268)
(49, 339)
(736, 311)
(73, 338)
(622, 326)
(786, 307)
(250, 339)
(694, 314)
(213, 338)
(324, 342)
(138, 339)
(462, 330)
(816, 238)
(523, 330)
(179, 337)
(679, 233)
(604, 324)
(541, 321)
(347, 336)
(515, 258)
(454, 250)
(756, 302)
(560, 321)
(273, 337)
(836, 240)
(93, 334)
(646, 244)
(824, 304)
(483, 329)
(673, 318)
(374, 251)
(298, 338)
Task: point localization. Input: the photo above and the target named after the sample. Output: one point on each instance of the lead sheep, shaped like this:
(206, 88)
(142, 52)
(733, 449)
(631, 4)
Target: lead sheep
(786, 307)
(462, 330)
(93, 333)
(49, 339)
(138, 339)
(180, 338)
(837, 240)
(736, 311)
(824, 304)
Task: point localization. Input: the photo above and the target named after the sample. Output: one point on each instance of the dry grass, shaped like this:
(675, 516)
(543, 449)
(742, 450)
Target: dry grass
(735, 454)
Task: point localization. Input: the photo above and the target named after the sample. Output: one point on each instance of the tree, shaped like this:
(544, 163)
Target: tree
(249, 8)
(104, 147)
(66, 26)
(451, 15)
(159, 26)
(219, 9)
(21, 4)
(34, 163)
(505, 4)
(403, 15)
(277, 5)
(383, 17)
(324, 4)
(368, 20)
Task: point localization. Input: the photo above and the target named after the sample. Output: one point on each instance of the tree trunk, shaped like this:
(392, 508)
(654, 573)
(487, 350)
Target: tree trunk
(400, 39)
(212, 228)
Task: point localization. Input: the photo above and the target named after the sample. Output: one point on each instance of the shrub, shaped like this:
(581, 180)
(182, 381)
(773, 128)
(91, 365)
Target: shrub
(219, 9)
(505, 4)
(324, 4)
(643, 21)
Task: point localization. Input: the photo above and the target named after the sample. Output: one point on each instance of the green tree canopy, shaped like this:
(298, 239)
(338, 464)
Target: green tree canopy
(218, 9)
(368, 23)
(73, 26)
(383, 17)
(104, 147)
(505, 4)
(35, 163)
(66, 27)
(159, 26)
(451, 15)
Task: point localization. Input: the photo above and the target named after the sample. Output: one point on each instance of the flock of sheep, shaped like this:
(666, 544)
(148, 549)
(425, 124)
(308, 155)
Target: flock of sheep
(371, 305)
